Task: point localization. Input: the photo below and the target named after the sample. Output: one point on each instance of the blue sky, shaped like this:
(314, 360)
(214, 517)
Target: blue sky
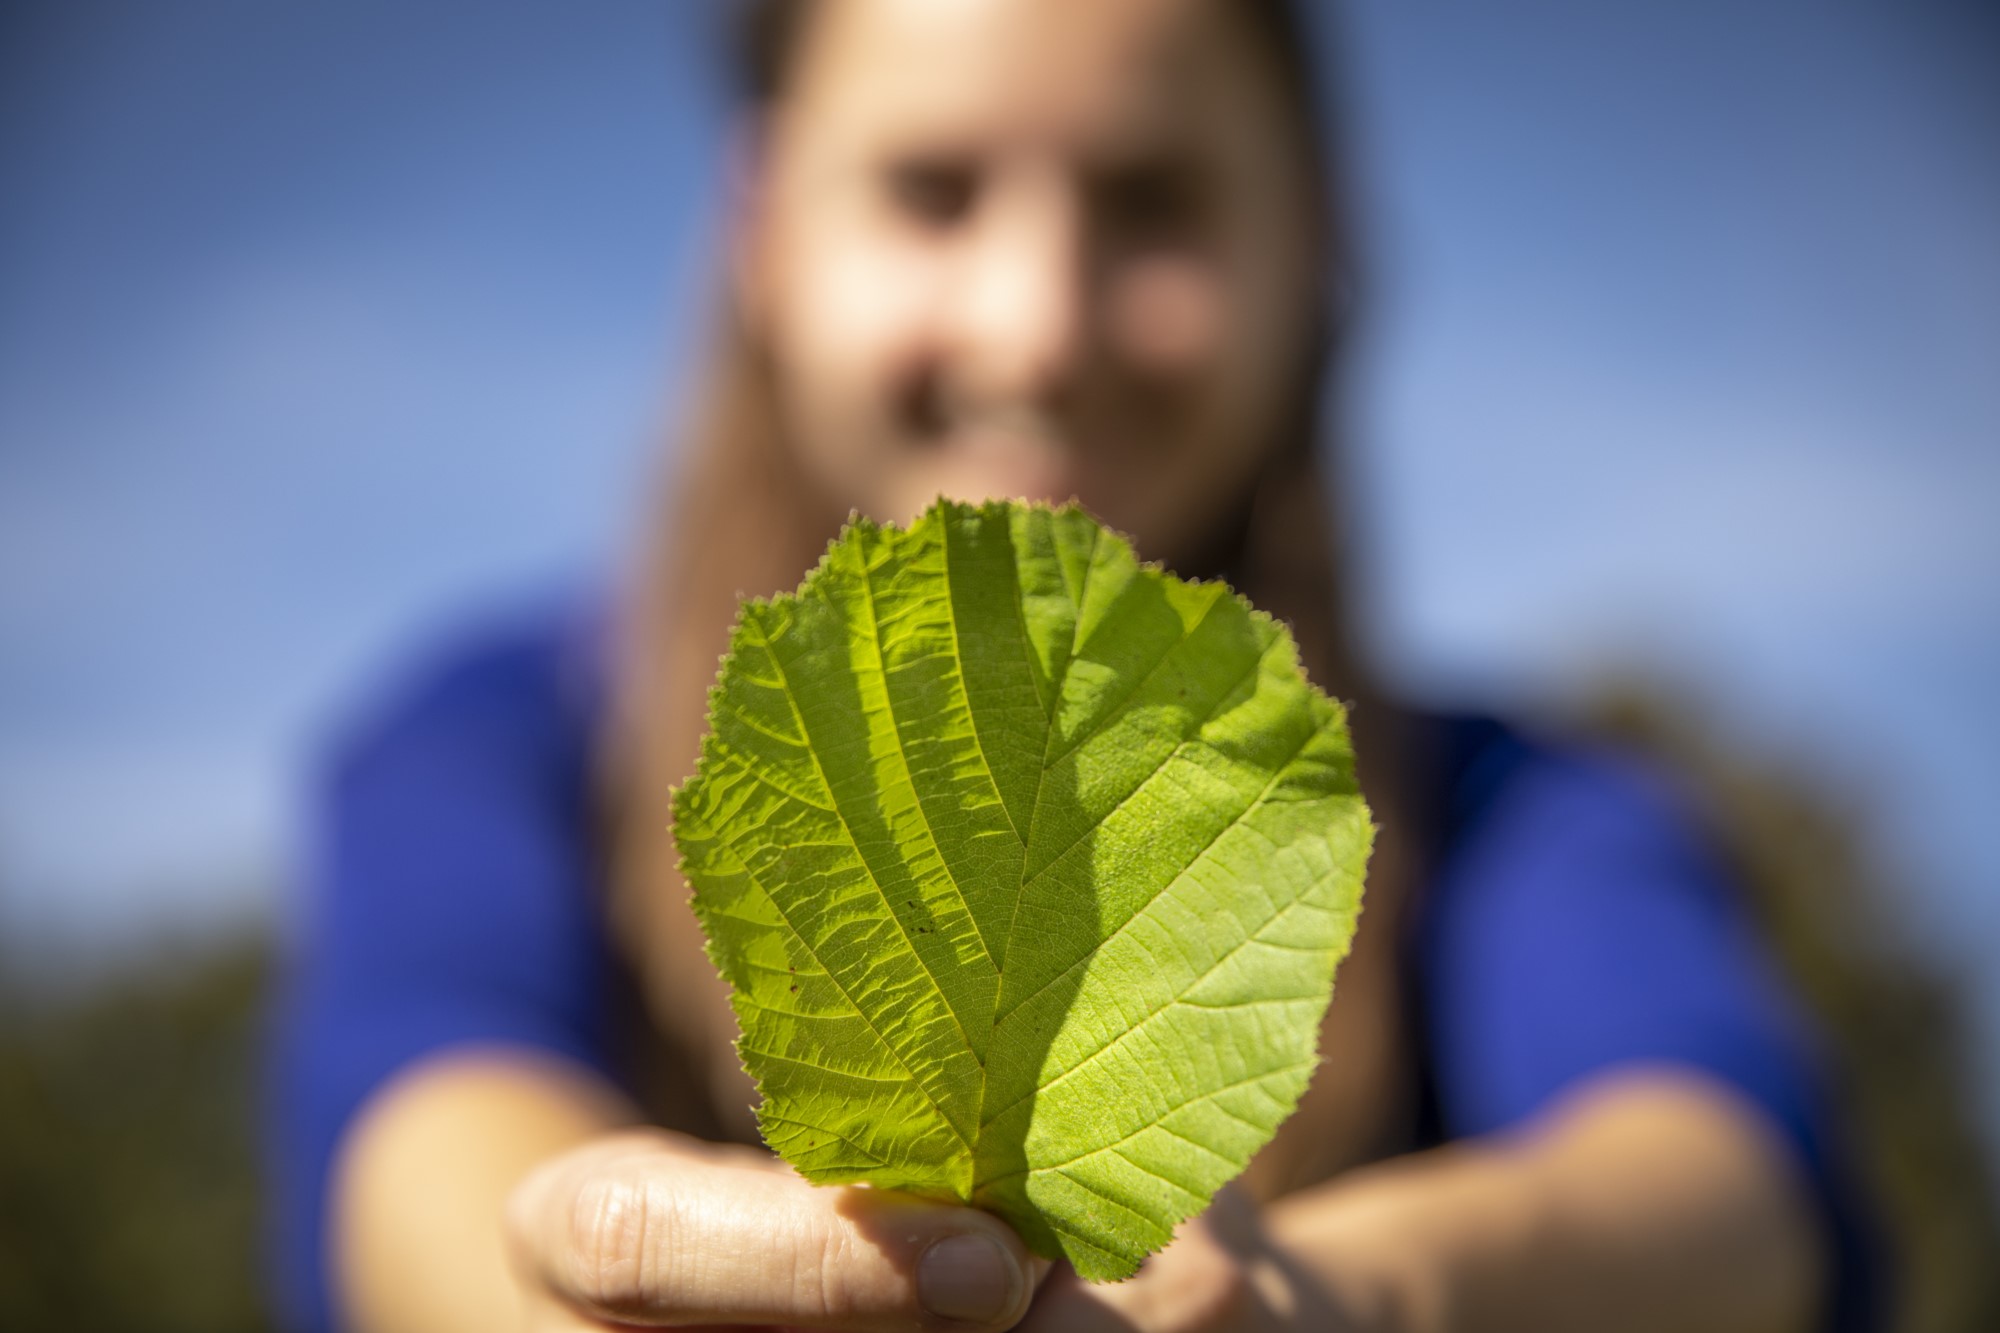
(321, 325)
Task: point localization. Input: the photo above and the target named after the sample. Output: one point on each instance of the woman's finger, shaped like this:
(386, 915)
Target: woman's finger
(1212, 1279)
(643, 1230)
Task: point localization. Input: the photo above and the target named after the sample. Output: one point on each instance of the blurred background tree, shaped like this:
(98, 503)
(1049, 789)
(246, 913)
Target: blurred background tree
(128, 1181)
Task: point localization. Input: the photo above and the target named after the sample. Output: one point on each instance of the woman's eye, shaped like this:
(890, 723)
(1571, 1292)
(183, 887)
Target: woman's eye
(934, 193)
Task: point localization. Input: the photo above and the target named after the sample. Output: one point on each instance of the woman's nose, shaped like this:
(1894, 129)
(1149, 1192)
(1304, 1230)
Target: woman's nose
(1022, 305)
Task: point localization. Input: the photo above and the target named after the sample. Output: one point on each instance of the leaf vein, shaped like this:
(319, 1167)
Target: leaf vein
(1169, 885)
(958, 662)
(1138, 686)
(1210, 971)
(860, 1011)
(768, 1117)
(1208, 717)
(1209, 1095)
(861, 856)
(917, 798)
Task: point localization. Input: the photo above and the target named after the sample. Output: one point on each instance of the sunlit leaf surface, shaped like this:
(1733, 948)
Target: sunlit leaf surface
(1029, 866)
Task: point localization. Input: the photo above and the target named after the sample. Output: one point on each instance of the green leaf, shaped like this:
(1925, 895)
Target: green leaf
(1029, 866)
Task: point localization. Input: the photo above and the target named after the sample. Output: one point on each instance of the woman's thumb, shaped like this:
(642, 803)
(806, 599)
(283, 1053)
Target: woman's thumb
(644, 1232)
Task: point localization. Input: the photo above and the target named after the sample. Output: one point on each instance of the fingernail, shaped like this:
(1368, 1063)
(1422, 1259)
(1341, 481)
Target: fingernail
(968, 1277)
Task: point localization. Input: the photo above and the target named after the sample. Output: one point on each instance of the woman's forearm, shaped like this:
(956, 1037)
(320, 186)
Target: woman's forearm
(1649, 1202)
(421, 1179)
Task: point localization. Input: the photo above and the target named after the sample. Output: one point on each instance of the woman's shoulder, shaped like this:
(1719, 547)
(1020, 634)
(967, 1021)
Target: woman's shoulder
(1572, 877)
(519, 687)
(1527, 822)
(1498, 780)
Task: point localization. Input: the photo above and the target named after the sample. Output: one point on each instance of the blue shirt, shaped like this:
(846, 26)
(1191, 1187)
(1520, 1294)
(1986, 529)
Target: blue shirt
(1575, 921)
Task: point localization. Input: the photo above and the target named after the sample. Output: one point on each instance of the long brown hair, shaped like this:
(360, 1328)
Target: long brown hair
(739, 520)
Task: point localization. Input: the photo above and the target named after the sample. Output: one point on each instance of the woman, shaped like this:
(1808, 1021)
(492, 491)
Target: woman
(1041, 248)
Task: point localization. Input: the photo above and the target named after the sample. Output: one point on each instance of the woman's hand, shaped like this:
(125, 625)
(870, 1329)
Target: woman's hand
(652, 1228)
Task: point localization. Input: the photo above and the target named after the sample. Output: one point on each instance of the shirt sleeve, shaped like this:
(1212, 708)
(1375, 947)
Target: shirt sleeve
(1579, 924)
(449, 899)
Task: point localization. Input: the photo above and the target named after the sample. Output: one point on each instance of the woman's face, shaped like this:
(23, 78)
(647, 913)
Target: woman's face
(1034, 248)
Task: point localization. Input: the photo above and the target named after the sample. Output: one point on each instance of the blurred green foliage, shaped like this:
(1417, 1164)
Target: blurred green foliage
(128, 1175)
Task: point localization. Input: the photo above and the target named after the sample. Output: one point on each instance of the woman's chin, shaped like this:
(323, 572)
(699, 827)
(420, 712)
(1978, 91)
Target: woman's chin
(974, 480)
